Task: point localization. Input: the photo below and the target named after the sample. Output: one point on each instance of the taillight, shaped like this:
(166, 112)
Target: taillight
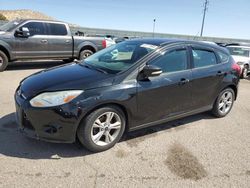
(104, 44)
(236, 68)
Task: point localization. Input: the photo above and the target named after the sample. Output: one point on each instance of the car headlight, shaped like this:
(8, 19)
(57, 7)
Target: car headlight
(57, 98)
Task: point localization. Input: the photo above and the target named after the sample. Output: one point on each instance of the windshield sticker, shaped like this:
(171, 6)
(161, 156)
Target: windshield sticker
(150, 46)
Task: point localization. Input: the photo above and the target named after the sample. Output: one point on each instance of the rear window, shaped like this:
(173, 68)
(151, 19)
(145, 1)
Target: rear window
(238, 51)
(57, 29)
(203, 58)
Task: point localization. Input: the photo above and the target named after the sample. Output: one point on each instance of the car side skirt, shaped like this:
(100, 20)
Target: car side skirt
(171, 118)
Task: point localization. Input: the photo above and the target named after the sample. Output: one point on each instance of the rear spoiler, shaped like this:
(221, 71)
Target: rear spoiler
(238, 44)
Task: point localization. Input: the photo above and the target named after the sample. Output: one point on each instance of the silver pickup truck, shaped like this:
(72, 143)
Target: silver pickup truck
(42, 39)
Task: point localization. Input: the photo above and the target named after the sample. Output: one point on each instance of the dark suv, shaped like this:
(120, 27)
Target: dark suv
(128, 86)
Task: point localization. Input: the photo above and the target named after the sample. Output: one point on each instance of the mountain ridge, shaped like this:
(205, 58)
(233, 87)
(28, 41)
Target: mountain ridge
(24, 14)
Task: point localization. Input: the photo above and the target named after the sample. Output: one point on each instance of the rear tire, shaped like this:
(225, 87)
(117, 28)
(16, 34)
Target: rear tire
(223, 103)
(102, 129)
(3, 61)
(85, 53)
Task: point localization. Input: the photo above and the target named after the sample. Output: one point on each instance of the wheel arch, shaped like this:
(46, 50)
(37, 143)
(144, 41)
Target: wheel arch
(5, 51)
(234, 88)
(88, 47)
(110, 104)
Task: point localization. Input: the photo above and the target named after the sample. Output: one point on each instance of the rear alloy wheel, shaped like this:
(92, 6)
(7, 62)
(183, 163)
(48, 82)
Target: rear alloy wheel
(3, 61)
(85, 53)
(224, 103)
(102, 129)
(245, 72)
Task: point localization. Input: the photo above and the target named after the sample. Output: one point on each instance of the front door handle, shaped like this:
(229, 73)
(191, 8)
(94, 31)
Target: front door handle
(183, 81)
(67, 41)
(44, 41)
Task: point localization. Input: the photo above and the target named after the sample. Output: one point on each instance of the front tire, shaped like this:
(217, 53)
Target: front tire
(223, 103)
(102, 129)
(3, 61)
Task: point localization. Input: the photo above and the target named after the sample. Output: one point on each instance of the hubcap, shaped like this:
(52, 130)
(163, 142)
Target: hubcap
(106, 128)
(226, 102)
(85, 55)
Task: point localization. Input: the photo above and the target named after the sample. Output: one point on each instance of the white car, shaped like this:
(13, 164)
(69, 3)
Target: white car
(241, 55)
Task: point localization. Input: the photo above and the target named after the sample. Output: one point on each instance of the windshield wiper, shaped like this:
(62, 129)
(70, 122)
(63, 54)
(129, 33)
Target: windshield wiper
(94, 68)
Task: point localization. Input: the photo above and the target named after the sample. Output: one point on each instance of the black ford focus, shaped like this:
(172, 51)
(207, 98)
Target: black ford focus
(128, 86)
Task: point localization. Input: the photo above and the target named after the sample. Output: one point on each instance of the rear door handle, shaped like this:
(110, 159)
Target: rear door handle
(67, 41)
(183, 81)
(220, 73)
(44, 41)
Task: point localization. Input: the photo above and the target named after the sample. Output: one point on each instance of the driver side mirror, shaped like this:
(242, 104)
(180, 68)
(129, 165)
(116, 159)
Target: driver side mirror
(22, 32)
(150, 71)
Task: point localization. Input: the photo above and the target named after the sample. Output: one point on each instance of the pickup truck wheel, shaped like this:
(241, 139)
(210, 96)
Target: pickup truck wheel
(245, 72)
(85, 53)
(3, 61)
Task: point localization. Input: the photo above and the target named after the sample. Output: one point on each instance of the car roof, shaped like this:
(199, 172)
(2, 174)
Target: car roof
(166, 41)
(155, 41)
(41, 20)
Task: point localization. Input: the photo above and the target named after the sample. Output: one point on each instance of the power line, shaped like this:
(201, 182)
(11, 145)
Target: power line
(204, 15)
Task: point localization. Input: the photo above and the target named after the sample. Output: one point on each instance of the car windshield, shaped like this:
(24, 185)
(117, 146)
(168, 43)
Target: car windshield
(10, 25)
(119, 57)
(239, 51)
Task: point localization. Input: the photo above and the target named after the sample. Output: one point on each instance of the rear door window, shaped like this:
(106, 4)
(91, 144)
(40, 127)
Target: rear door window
(203, 58)
(57, 29)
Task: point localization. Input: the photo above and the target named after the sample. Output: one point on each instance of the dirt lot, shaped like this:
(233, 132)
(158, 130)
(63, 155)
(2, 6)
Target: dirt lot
(198, 151)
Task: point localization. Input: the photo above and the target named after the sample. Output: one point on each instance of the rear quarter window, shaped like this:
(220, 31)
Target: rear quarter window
(224, 58)
(203, 58)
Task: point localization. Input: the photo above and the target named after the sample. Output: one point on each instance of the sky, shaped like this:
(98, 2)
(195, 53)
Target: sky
(225, 18)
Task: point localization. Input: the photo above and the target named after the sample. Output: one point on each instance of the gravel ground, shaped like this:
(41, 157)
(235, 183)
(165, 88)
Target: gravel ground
(197, 151)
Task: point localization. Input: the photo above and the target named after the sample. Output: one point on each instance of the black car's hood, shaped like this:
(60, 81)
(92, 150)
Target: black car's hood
(73, 76)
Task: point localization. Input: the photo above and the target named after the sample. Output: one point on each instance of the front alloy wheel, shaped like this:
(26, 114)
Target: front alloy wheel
(102, 128)
(106, 128)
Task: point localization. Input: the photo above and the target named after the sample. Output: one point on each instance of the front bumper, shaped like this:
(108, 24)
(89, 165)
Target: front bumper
(54, 124)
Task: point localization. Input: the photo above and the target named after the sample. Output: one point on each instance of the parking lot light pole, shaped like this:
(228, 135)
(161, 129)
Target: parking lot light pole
(204, 16)
(154, 28)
